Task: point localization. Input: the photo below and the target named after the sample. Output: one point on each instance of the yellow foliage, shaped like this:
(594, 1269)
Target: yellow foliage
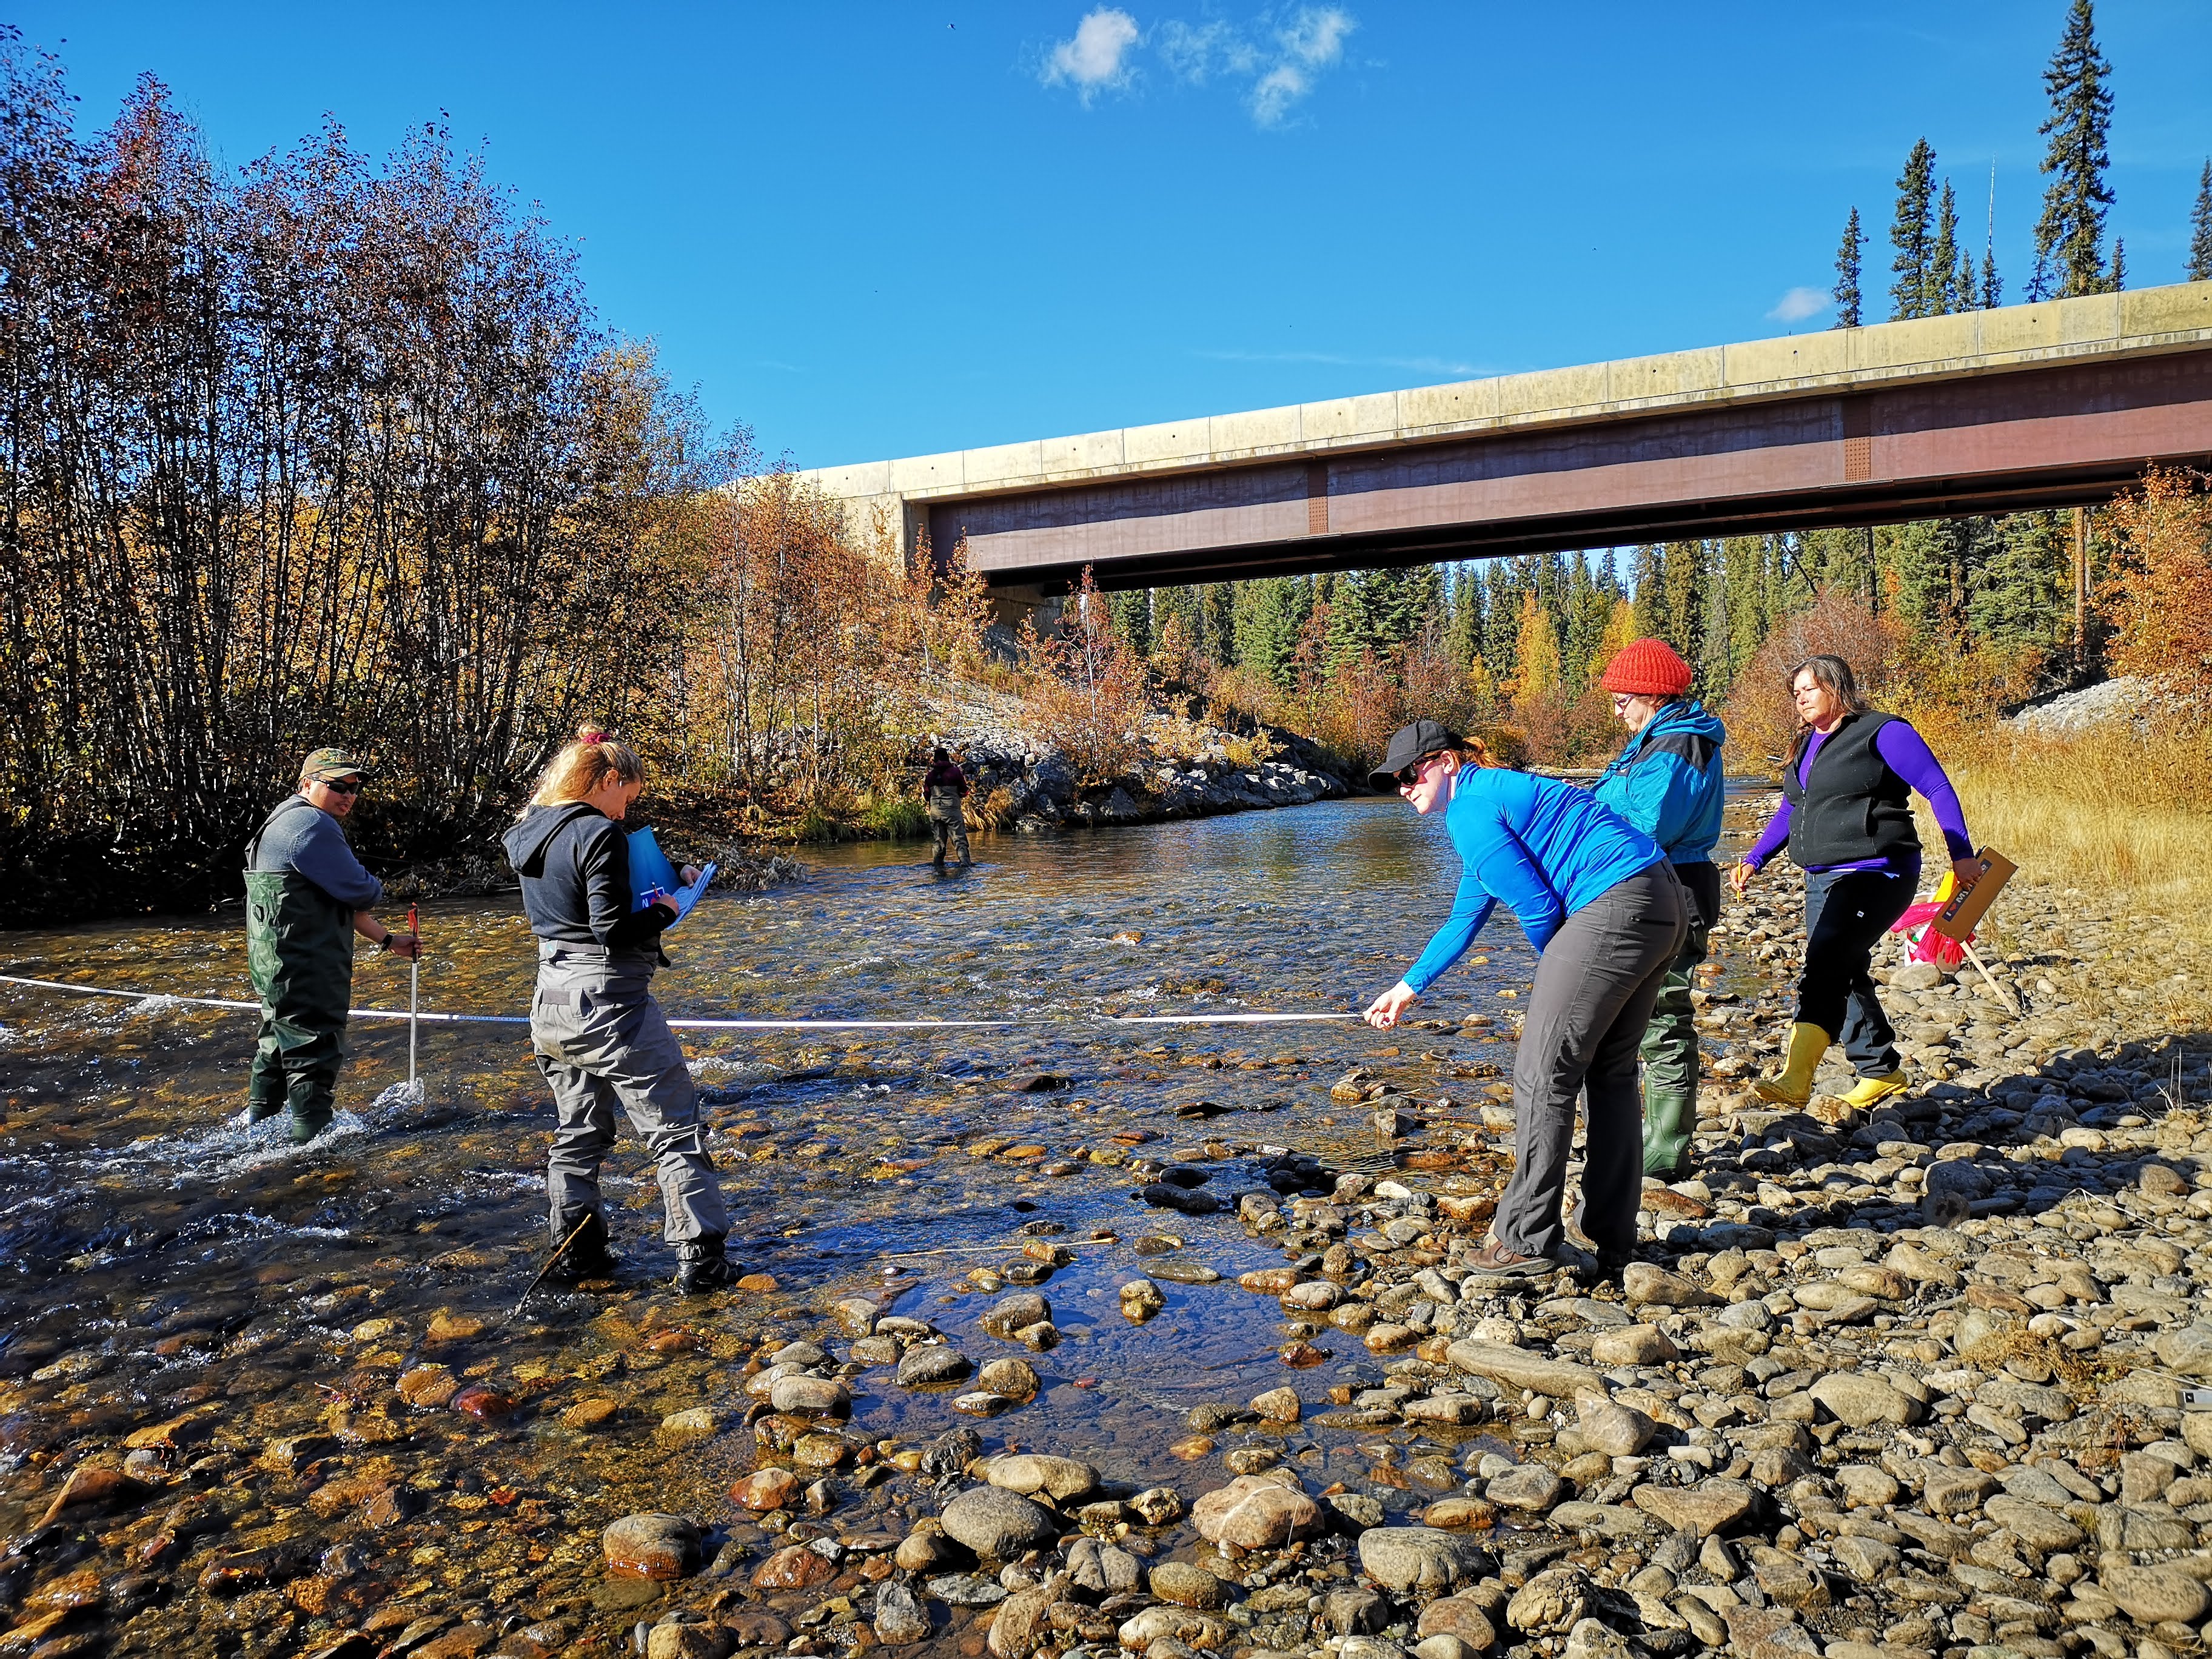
(1619, 631)
(1539, 677)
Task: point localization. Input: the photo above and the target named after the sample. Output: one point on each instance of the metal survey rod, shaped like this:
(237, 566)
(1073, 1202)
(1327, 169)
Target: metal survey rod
(414, 988)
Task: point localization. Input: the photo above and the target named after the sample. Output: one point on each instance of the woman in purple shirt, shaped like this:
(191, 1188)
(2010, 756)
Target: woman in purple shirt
(1846, 817)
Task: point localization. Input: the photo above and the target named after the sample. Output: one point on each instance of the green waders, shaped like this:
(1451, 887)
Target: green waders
(298, 948)
(1670, 1066)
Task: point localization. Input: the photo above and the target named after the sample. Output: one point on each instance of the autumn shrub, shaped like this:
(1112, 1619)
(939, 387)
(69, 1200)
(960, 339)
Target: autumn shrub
(1761, 719)
(1086, 694)
(2157, 596)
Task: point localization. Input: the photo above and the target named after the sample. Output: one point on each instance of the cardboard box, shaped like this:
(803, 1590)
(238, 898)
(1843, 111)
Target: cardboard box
(1956, 920)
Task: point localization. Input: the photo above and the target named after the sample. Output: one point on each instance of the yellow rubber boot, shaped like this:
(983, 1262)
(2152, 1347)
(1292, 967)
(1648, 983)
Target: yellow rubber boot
(1793, 1087)
(1872, 1090)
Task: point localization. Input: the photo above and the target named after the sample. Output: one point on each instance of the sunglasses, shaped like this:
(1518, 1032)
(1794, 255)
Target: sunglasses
(1408, 776)
(352, 788)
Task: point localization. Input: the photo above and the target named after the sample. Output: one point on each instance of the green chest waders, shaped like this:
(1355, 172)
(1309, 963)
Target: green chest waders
(298, 948)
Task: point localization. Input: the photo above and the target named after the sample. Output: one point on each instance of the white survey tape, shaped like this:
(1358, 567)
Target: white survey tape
(700, 1024)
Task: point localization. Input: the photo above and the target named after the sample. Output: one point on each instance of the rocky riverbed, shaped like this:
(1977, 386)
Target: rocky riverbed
(1196, 770)
(1911, 1383)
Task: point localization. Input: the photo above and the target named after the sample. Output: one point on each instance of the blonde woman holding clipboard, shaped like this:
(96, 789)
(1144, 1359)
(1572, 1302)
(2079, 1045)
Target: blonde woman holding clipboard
(599, 1038)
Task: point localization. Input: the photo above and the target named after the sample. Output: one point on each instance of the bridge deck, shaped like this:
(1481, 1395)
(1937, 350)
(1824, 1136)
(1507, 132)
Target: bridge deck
(1987, 411)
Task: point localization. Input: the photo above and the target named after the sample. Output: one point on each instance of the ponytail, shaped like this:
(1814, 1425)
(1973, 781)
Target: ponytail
(582, 766)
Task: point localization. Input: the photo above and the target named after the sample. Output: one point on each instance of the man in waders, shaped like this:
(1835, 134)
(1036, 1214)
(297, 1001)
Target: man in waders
(1668, 782)
(306, 895)
(942, 788)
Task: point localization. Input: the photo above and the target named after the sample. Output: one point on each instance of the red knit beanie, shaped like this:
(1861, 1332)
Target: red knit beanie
(1647, 668)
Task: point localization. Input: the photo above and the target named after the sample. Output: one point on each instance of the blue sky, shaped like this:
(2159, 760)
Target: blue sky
(868, 230)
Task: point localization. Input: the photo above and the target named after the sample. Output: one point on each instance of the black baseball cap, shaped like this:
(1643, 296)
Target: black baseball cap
(1411, 743)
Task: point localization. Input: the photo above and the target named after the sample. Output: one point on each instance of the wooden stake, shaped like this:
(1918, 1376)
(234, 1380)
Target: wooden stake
(576, 1234)
(2004, 995)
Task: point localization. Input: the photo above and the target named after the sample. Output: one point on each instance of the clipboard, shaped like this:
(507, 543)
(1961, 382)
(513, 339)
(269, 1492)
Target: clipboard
(1956, 920)
(649, 868)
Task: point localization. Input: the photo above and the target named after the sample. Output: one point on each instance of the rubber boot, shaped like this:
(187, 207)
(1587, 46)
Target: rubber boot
(1794, 1086)
(700, 1267)
(1669, 1116)
(1872, 1090)
(588, 1257)
(259, 1108)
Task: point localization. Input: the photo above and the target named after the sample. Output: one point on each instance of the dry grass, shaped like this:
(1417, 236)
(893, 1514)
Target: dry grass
(2120, 823)
(2114, 810)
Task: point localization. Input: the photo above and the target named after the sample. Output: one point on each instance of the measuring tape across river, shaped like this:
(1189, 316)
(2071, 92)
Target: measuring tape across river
(711, 1024)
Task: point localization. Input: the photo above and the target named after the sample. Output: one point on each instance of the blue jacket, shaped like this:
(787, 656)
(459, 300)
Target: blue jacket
(1668, 782)
(1543, 847)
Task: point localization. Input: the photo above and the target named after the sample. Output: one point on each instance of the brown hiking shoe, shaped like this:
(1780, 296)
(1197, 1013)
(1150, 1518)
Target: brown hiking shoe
(1494, 1260)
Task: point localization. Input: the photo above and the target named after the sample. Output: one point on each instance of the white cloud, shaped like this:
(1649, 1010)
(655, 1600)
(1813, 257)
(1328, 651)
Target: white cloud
(1281, 61)
(1097, 58)
(1197, 53)
(1315, 36)
(1799, 303)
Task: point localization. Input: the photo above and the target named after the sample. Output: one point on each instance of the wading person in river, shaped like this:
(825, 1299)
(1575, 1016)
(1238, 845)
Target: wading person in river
(599, 1038)
(943, 788)
(1668, 782)
(306, 895)
(1600, 904)
(1846, 817)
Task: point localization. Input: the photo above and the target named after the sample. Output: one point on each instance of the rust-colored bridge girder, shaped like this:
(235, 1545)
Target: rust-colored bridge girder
(2022, 407)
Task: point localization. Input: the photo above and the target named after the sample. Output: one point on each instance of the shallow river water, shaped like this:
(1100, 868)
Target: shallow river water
(242, 1309)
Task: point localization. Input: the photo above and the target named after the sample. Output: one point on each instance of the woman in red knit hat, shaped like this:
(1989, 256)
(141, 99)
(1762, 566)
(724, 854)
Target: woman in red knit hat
(1668, 782)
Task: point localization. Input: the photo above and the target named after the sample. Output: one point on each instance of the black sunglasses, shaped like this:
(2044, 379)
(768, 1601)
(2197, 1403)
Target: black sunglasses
(1408, 776)
(353, 788)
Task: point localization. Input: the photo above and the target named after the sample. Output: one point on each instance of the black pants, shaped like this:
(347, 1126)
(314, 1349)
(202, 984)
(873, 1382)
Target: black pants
(1846, 914)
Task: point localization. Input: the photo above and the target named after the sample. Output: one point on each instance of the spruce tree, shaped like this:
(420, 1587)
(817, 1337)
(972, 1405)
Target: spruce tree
(2070, 237)
(1715, 670)
(1587, 613)
(1464, 641)
(1217, 612)
(1682, 573)
(1132, 614)
(2119, 279)
(1992, 294)
(1943, 294)
(2199, 269)
(1648, 592)
(1422, 604)
(2022, 590)
(1911, 234)
(1270, 611)
(1846, 290)
(1502, 619)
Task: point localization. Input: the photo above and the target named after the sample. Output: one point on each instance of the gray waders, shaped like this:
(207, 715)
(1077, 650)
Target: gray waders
(947, 825)
(602, 1043)
(299, 949)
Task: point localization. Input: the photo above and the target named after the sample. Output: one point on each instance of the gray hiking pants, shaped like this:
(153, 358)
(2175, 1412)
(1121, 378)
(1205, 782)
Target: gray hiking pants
(1595, 984)
(601, 1042)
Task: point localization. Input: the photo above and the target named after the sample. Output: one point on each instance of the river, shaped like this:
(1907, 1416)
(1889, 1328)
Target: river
(160, 1265)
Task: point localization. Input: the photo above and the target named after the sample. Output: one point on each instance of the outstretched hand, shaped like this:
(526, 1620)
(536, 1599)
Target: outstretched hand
(1383, 1012)
(1739, 877)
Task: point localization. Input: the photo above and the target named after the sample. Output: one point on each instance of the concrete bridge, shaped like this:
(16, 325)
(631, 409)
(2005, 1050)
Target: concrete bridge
(2024, 406)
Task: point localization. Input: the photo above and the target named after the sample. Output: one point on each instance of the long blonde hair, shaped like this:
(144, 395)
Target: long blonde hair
(582, 766)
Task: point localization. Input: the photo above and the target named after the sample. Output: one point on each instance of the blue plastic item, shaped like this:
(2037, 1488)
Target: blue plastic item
(649, 868)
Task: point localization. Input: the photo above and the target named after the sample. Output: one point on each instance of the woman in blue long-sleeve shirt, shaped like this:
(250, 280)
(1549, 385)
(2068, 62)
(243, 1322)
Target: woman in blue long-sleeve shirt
(1602, 905)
